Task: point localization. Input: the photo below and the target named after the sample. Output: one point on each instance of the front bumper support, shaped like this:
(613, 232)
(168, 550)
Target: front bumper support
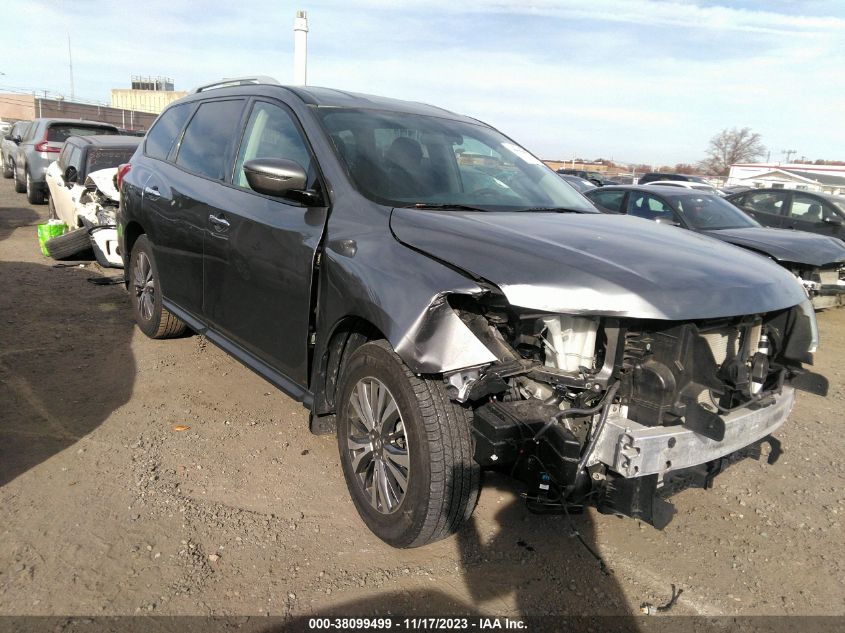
(634, 450)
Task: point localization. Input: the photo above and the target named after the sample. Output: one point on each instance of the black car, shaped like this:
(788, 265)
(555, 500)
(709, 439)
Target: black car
(816, 260)
(576, 182)
(652, 176)
(820, 213)
(598, 179)
(443, 302)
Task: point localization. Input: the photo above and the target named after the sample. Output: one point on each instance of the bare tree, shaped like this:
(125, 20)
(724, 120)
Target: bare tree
(732, 146)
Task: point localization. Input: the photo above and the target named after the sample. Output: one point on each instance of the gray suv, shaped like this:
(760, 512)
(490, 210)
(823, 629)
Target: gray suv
(444, 303)
(41, 146)
(9, 146)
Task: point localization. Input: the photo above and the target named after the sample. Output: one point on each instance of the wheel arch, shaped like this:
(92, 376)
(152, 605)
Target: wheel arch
(347, 335)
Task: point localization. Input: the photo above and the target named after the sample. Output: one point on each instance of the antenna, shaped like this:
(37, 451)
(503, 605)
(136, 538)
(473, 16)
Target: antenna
(70, 65)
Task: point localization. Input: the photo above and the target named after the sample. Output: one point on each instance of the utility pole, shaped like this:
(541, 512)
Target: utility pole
(70, 66)
(788, 153)
(300, 49)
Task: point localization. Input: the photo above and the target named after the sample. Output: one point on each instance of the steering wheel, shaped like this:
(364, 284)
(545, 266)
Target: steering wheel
(486, 192)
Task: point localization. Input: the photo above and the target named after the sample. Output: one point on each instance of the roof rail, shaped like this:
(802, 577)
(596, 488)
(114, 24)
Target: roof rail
(237, 81)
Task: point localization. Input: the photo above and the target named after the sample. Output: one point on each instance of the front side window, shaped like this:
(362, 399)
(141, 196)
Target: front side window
(766, 202)
(270, 133)
(209, 138)
(644, 205)
(166, 129)
(610, 200)
(401, 159)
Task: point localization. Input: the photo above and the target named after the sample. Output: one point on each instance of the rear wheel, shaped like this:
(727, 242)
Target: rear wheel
(20, 186)
(405, 449)
(34, 194)
(152, 317)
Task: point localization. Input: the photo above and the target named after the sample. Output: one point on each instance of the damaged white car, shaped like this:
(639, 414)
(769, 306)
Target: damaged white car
(83, 196)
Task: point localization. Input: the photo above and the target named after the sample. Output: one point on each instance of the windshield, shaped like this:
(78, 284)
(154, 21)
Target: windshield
(402, 159)
(711, 212)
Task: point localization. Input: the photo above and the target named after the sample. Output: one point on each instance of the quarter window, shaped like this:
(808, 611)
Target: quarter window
(270, 133)
(161, 138)
(208, 138)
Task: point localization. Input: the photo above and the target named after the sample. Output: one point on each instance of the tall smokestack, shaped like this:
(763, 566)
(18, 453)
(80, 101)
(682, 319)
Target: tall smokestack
(300, 48)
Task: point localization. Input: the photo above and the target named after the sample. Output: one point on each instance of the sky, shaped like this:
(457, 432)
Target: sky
(638, 81)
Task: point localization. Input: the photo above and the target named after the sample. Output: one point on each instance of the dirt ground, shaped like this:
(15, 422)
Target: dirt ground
(105, 509)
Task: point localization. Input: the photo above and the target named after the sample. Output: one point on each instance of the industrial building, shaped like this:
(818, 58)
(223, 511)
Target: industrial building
(17, 107)
(147, 94)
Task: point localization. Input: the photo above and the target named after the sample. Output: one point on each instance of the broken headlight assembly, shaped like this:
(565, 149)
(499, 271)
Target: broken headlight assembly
(599, 410)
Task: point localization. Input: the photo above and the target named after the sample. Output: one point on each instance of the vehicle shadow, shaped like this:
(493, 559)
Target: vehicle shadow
(515, 564)
(65, 362)
(12, 218)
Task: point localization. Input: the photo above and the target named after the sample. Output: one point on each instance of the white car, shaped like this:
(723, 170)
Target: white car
(83, 196)
(686, 185)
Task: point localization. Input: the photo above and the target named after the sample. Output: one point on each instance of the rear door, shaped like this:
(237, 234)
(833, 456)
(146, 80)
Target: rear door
(812, 213)
(767, 207)
(259, 249)
(65, 195)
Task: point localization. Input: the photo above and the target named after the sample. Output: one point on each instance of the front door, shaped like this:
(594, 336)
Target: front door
(767, 207)
(259, 250)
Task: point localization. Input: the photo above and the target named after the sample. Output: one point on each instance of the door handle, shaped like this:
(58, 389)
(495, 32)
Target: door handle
(152, 191)
(223, 223)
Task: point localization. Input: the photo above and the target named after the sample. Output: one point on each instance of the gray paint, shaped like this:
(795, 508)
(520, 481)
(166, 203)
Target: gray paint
(601, 264)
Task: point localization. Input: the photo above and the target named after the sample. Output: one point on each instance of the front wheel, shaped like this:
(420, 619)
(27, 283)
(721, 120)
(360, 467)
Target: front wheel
(405, 449)
(8, 168)
(152, 317)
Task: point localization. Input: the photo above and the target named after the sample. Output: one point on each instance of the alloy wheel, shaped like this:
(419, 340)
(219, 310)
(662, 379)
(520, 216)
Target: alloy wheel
(144, 286)
(378, 445)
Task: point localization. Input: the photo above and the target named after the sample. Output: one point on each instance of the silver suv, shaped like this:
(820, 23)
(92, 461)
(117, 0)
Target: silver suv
(9, 146)
(41, 146)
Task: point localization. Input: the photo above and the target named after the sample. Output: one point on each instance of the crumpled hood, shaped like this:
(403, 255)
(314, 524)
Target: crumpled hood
(103, 179)
(600, 264)
(784, 245)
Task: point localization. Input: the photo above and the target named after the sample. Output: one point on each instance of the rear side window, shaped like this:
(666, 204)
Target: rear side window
(209, 137)
(161, 138)
(59, 133)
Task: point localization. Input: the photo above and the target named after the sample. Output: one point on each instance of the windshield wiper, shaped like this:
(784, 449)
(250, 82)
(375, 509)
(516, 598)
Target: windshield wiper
(444, 205)
(554, 210)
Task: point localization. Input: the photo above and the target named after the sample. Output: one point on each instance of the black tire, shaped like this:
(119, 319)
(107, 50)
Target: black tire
(69, 244)
(152, 317)
(8, 168)
(442, 479)
(20, 187)
(34, 194)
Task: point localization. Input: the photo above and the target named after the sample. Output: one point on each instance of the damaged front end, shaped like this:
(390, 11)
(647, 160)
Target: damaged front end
(825, 285)
(599, 410)
(96, 210)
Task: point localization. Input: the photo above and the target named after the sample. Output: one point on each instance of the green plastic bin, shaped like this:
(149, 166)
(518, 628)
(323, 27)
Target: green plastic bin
(48, 231)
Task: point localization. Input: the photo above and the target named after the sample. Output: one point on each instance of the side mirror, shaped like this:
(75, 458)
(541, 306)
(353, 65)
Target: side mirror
(835, 220)
(274, 176)
(71, 175)
(667, 222)
(15, 139)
